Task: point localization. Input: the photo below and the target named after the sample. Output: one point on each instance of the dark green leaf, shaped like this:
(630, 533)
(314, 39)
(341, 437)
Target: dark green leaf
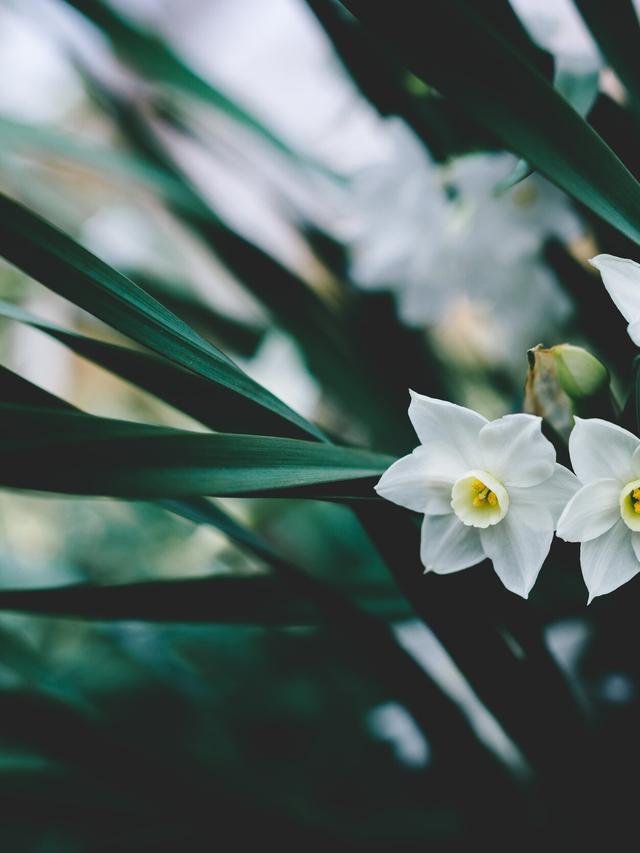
(579, 90)
(384, 80)
(58, 262)
(81, 454)
(238, 336)
(467, 611)
(222, 599)
(15, 389)
(616, 30)
(204, 401)
(467, 58)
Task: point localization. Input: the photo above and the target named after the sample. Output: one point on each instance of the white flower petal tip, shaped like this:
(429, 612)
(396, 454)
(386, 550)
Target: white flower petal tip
(448, 546)
(621, 278)
(602, 450)
(592, 511)
(515, 450)
(609, 561)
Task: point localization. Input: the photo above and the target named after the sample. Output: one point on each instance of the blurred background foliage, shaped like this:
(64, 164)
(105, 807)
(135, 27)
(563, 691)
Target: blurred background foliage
(346, 203)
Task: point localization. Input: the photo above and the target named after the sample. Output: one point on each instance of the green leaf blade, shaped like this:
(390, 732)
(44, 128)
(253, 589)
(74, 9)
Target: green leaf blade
(73, 453)
(467, 58)
(61, 264)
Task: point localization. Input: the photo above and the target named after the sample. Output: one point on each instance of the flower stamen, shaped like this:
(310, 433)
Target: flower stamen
(479, 499)
(485, 495)
(630, 505)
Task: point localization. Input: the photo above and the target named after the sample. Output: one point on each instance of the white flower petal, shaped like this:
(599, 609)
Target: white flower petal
(552, 494)
(635, 544)
(518, 547)
(591, 511)
(515, 451)
(416, 483)
(633, 330)
(600, 450)
(621, 277)
(608, 561)
(449, 432)
(448, 545)
(635, 462)
(405, 482)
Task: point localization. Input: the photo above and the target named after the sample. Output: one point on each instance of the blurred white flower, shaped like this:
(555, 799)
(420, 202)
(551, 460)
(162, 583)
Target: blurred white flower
(278, 366)
(604, 515)
(486, 488)
(621, 277)
(392, 723)
(556, 25)
(437, 235)
(39, 85)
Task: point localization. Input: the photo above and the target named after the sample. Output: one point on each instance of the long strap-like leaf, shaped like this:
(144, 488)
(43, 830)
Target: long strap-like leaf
(74, 453)
(61, 264)
(209, 403)
(616, 29)
(456, 47)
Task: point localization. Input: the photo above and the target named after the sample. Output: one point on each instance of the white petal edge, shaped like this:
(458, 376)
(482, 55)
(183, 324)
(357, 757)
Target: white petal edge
(448, 431)
(601, 450)
(516, 452)
(518, 549)
(448, 546)
(591, 511)
(609, 561)
(553, 494)
(635, 544)
(408, 483)
(621, 278)
(633, 330)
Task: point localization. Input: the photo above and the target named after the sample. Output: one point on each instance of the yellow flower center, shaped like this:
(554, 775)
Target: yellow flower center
(483, 496)
(630, 505)
(479, 499)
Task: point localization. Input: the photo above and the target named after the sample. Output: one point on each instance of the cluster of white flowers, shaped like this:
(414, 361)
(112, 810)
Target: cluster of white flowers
(494, 489)
(434, 244)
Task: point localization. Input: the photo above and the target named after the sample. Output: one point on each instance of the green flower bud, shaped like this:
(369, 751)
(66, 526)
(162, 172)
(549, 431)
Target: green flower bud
(579, 373)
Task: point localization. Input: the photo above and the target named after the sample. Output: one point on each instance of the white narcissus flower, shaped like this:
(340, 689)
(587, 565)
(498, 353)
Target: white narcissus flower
(427, 233)
(621, 277)
(604, 516)
(486, 488)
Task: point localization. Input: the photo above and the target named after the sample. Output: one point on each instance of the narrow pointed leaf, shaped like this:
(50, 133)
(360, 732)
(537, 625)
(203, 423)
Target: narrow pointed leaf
(616, 29)
(19, 391)
(81, 454)
(220, 599)
(231, 600)
(58, 262)
(467, 58)
(204, 401)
